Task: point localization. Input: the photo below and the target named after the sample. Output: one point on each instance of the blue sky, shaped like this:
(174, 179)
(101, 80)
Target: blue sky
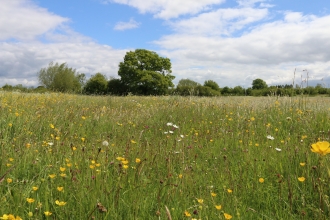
(231, 42)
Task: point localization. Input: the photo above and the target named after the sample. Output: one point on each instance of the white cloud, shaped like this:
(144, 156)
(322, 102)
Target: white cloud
(20, 62)
(167, 9)
(131, 24)
(219, 22)
(270, 50)
(23, 20)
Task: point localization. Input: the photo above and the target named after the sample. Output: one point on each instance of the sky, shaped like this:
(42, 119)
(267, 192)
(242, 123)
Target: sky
(231, 42)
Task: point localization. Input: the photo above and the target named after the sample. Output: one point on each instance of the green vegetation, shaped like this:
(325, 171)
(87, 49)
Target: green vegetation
(66, 156)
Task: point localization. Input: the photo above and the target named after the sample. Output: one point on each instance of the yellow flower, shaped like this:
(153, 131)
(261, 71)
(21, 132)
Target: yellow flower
(125, 167)
(28, 145)
(29, 200)
(301, 179)
(9, 180)
(229, 190)
(30, 214)
(4, 217)
(218, 207)
(125, 162)
(47, 213)
(302, 164)
(187, 214)
(52, 126)
(200, 201)
(60, 203)
(63, 175)
(62, 169)
(137, 160)
(52, 176)
(60, 188)
(11, 159)
(213, 194)
(34, 188)
(321, 147)
(227, 216)
(82, 139)
(91, 166)
(133, 142)
(83, 117)
(18, 218)
(10, 124)
(261, 180)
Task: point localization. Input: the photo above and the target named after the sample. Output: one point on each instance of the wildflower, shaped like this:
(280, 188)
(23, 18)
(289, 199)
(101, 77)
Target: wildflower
(227, 216)
(133, 142)
(180, 176)
(62, 169)
(302, 164)
(261, 180)
(4, 217)
(278, 149)
(175, 126)
(10, 124)
(229, 190)
(218, 207)
(137, 160)
(60, 203)
(169, 124)
(83, 139)
(34, 188)
(187, 214)
(60, 188)
(47, 213)
(125, 167)
(29, 200)
(52, 126)
(50, 143)
(30, 214)
(105, 143)
(9, 180)
(213, 194)
(165, 132)
(52, 176)
(270, 137)
(27, 145)
(200, 201)
(63, 175)
(171, 132)
(321, 147)
(288, 118)
(125, 162)
(301, 179)
(83, 117)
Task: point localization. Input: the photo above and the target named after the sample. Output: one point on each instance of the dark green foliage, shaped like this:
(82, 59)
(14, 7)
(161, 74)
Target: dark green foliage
(116, 87)
(188, 83)
(212, 84)
(143, 72)
(259, 84)
(60, 78)
(97, 84)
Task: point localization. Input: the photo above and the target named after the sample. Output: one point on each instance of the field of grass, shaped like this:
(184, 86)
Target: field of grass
(78, 157)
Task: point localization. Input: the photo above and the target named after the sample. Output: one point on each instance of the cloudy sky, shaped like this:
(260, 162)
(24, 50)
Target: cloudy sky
(229, 41)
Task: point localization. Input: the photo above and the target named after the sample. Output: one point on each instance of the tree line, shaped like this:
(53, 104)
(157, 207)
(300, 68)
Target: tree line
(144, 72)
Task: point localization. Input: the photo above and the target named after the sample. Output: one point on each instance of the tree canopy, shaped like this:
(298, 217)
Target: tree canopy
(60, 78)
(259, 84)
(144, 72)
(97, 84)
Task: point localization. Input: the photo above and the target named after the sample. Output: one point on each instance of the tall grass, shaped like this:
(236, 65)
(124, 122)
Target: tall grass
(79, 157)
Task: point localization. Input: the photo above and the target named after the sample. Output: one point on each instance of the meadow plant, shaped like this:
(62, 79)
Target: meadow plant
(79, 157)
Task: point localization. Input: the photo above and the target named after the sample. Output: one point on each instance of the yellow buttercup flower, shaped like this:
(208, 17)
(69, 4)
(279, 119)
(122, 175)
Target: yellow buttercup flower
(302, 164)
(47, 213)
(200, 201)
(52, 176)
(213, 194)
(29, 200)
(229, 190)
(34, 188)
(261, 180)
(227, 216)
(218, 207)
(137, 160)
(186, 213)
(60, 203)
(321, 147)
(60, 188)
(301, 179)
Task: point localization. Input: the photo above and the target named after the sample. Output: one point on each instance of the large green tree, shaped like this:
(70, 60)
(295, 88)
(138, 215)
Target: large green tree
(259, 84)
(144, 72)
(60, 78)
(97, 84)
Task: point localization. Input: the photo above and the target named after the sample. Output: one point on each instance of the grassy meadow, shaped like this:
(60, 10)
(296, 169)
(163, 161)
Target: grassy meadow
(82, 157)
